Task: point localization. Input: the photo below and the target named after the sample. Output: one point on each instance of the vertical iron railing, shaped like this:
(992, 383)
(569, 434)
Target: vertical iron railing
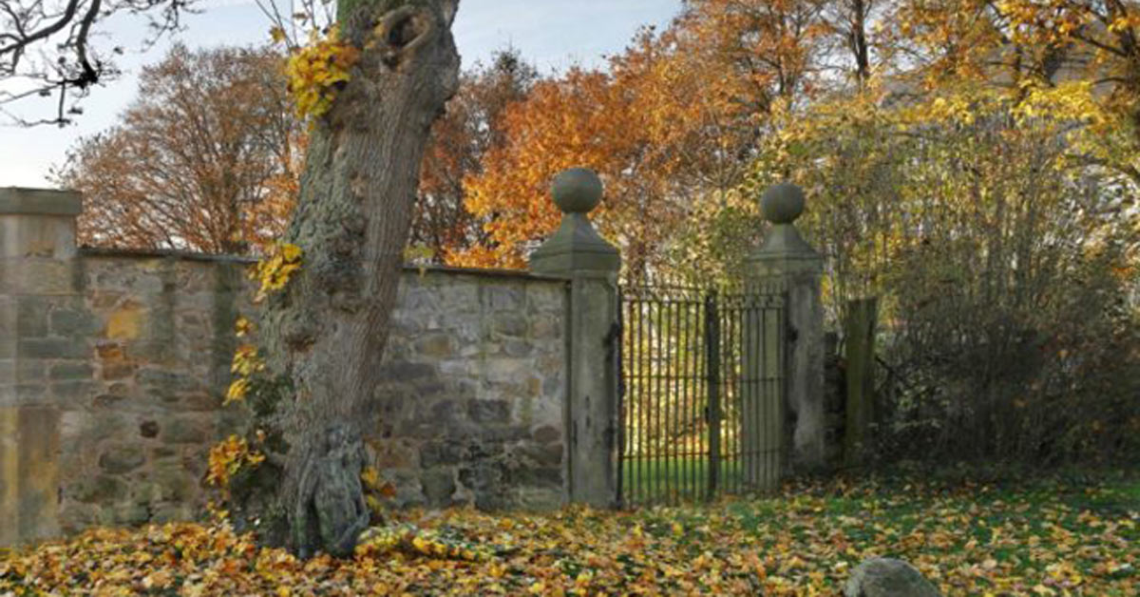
(713, 410)
(689, 398)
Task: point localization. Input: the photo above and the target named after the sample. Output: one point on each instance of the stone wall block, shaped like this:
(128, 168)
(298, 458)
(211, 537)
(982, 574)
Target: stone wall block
(9, 328)
(512, 325)
(70, 371)
(29, 473)
(439, 485)
(489, 411)
(75, 322)
(187, 429)
(435, 345)
(122, 458)
(52, 348)
(100, 489)
(73, 393)
(443, 452)
(546, 434)
(397, 454)
(485, 480)
(505, 298)
(506, 369)
(31, 316)
(30, 371)
(43, 277)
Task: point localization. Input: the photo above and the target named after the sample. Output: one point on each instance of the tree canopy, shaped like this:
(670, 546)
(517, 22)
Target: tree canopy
(206, 159)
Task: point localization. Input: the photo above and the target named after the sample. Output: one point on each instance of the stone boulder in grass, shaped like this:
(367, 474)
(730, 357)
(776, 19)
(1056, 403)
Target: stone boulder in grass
(886, 577)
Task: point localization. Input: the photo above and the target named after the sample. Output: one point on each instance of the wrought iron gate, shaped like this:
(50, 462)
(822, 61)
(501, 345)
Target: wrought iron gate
(702, 385)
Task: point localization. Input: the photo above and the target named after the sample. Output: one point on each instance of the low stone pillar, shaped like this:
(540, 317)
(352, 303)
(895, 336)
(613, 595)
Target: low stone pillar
(39, 309)
(786, 262)
(591, 265)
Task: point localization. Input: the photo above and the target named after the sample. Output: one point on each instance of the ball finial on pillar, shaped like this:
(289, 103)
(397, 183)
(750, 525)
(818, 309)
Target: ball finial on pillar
(577, 190)
(782, 203)
(576, 248)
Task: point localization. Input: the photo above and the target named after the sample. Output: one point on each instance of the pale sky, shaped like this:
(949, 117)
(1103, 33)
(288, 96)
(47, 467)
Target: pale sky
(553, 34)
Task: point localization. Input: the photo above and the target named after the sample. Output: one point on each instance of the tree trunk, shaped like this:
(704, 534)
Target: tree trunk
(326, 332)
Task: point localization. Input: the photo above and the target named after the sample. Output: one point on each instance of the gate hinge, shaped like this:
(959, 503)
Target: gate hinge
(613, 334)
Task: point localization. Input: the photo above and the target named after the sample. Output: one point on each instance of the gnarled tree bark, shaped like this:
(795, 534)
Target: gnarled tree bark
(327, 331)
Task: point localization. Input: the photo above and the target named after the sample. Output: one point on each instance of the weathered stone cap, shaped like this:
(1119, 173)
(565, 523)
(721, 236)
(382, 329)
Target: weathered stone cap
(44, 202)
(577, 190)
(782, 205)
(576, 246)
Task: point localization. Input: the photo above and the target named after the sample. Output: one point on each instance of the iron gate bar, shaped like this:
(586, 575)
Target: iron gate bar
(659, 440)
(692, 354)
(620, 362)
(712, 350)
(731, 393)
(676, 436)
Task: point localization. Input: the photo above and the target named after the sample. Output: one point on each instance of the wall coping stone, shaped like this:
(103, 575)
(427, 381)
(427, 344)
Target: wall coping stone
(103, 252)
(173, 254)
(41, 202)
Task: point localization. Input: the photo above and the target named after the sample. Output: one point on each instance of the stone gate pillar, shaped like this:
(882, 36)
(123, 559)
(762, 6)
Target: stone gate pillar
(38, 308)
(591, 265)
(785, 261)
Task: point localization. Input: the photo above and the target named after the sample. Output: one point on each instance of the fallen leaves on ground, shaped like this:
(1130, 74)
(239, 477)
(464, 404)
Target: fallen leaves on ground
(1051, 539)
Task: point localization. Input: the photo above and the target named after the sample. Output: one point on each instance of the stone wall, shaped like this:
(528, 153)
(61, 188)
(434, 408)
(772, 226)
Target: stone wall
(473, 412)
(136, 363)
(113, 366)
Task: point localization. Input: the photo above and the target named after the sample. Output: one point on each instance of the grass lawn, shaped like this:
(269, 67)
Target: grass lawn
(659, 480)
(1040, 538)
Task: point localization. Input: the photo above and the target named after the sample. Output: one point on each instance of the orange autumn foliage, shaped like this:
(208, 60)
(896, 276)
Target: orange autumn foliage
(590, 119)
(472, 126)
(671, 122)
(206, 158)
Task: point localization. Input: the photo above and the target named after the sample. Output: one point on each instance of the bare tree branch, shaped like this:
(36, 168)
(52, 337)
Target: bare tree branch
(48, 49)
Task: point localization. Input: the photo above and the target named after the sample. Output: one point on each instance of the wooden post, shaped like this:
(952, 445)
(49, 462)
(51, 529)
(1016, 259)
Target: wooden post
(860, 357)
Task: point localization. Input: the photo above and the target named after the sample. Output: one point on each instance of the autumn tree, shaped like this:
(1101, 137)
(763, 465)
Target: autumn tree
(472, 126)
(672, 123)
(205, 159)
(1022, 45)
(659, 125)
(371, 88)
(585, 118)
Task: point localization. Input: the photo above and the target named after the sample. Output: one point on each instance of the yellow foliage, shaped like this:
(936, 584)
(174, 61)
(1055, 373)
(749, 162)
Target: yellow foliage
(315, 72)
(237, 391)
(275, 269)
(413, 541)
(227, 458)
(246, 361)
(243, 327)
(277, 34)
